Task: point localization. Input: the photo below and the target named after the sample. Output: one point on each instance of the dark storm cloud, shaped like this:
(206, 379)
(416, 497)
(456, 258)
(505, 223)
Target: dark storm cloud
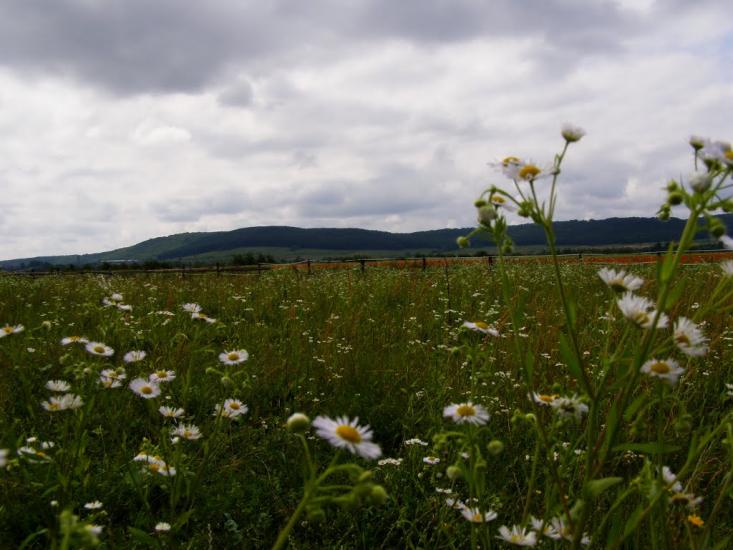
(138, 46)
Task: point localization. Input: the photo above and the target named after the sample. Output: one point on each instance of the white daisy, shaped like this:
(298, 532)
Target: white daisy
(568, 407)
(163, 376)
(170, 412)
(202, 317)
(415, 441)
(431, 460)
(74, 340)
(517, 535)
(544, 528)
(480, 326)
(466, 413)
(68, 401)
(93, 505)
(134, 356)
(670, 480)
(666, 369)
(115, 374)
(234, 407)
(58, 385)
(474, 515)
(347, 434)
(7, 330)
(124, 307)
(145, 388)
(640, 311)
(162, 527)
(116, 297)
(191, 308)
(508, 166)
(98, 348)
(620, 281)
(571, 133)
(94, 529)
(389, 462)
(543, 398)
(187, 431)
(727, 267)
(689, 338)
(234, 357)
(500, 201)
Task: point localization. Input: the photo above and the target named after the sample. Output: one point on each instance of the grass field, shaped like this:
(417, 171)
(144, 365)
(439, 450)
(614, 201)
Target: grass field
(388, 347)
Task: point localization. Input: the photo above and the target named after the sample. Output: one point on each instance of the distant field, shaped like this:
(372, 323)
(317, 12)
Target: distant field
(387, 346)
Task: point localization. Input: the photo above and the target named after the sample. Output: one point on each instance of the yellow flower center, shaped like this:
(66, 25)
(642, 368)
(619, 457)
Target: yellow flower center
(546, 398)
(477, 517)
(233, 356)
(682, 339)
(516, 538)
(509, 160)
(7, 330)
(154, 467)
(349, 433)
(147, 390)
(529, 172)
(99, 349)
(660, 367)
(54, 406)
(641, 318)
(234, 406)
(728, 155)
(162, 374)
(481, 325)
(466, 410)
(498, 199)
(696, 520)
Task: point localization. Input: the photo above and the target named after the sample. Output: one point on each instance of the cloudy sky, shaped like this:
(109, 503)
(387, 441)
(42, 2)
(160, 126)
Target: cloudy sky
(126, 120)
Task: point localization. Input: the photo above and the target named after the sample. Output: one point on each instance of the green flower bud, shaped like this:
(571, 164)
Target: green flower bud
(675, 198)
(316, 515)
(226, 381)
(463, 242)
(672, 186)
(717, 229)
(727, 205)
(486, 215)
(298, 423)
(378, 495)
(701, 182)
(479, 203)
(453, 473)
(495, 447)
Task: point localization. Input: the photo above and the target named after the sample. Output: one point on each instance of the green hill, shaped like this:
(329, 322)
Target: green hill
(284, 242)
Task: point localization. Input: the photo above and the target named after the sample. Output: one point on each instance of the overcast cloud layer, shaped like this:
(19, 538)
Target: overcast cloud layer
(122, 121)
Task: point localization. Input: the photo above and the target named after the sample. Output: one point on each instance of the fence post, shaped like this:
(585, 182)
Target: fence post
(217, 269)
(308, 262)
(363, 264)
(424, 263)
(580, 257)
(259, 269)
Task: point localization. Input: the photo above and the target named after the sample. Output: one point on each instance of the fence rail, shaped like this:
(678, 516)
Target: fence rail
(632, 258)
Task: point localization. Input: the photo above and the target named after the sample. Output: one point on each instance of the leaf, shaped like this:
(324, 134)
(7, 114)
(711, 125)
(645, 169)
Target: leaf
(142, 537)
(596, 487)
(569, 357)
(652, 448)
(674, 295)
(636, 404)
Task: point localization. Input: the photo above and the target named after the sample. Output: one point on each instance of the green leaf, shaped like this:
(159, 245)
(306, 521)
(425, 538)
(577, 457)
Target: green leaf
(596, 487)
(652, 448)
(142, 537)
(636, 404)
(674, 295)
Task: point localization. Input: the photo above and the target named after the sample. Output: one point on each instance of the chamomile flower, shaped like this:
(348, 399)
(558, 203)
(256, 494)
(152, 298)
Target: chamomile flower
(572, 133)
(640, 311)
(171, 412)
(474, 515)
(666, 369)
(234, 407)
(543, 398)
(466, 413)
(727, 268)
(68, 401)
(498, 200)
(162, 527)
(569, 407)
(670, 480)
(116, 297)
(480, 326)
(508, 166)
(74, 340)
(3, 458)
(100, 349)
(689, 338)
(187, 431)
(7, 330)
(191, 308)
(134, 356)
(517, 535)
(145, 388)
(620, 281)
(163, 376)
(202, 317)
(344, 433)
(94, 505)
(431, 460)
(58, 385)
(234, 357)
(544, 528)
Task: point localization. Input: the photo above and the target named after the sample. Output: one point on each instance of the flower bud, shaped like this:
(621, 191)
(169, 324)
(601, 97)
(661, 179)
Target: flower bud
(716, 227)
(675, 198)
(316, 515)
(572, 133)
(479, 203)
(697, 142)
(453, 473)
(495, 447)
(298, 423)
(463, 242)
(673, 186)
(664, 212)
(701, 182)
(226, 381)
(486, 215)
(378, 495)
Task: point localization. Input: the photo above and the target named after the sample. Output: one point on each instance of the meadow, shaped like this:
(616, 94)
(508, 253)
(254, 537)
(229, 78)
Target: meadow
(534, 403)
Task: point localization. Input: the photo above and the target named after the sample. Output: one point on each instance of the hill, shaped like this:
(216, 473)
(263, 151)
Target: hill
(283, 242)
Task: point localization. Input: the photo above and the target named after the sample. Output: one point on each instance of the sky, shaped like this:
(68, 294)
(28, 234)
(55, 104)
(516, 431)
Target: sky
(123, 121)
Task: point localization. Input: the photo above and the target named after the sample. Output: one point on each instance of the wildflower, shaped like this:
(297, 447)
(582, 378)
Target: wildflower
(191, 308)
(74, 340)
(234, 357)
(666, 369)
(695, 520)
(518, 535)
(620, 281)
(416, 441)
(572, 133)
(115, 374)
(690, 499)
(475, 515)
(93, 505)
(347, 434)
(98, 348)
(670, 480)
(480, 326)
(162, 527)
(134, 356)
(727, 267)
(700, 182)
(124, 307)
(163, 376)
(145, 388)
(466, 413)
(7, 330)
(543, 399)
(202, 317)
(568, 407)
(170, 412)
(509, 166)
(94, 529)
(58, 385)
(231, 408)
(640, 311)
(389, 462)
(545, 528)
(431, 460)
(155, 464)
(116, 297)
(297, 422)
(68, 401)
(689, 338)
(697, 142)
(486, 215)
(499, 201)
(3, 458)
(187, 431)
